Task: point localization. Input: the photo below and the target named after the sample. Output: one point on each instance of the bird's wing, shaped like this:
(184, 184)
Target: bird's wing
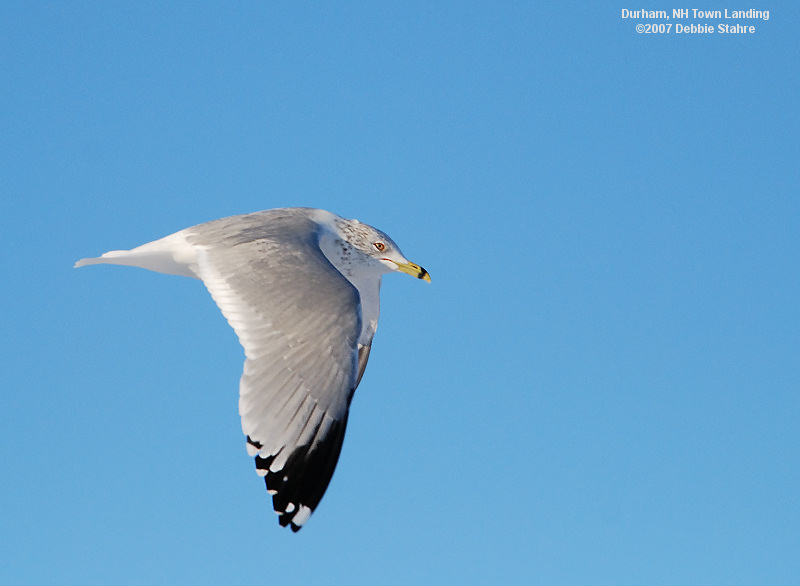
(363, 356)
(298, 320)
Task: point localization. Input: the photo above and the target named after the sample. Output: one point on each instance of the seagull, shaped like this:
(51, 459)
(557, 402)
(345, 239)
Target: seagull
(300, 287)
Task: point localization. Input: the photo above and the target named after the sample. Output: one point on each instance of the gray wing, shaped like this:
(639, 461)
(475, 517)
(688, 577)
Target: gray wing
(298, 320)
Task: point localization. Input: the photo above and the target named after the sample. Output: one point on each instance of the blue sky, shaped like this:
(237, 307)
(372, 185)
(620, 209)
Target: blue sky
(600, 385)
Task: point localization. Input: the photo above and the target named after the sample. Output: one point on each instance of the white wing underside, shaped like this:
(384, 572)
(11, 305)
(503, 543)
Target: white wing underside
(299, 321)
(293, 387)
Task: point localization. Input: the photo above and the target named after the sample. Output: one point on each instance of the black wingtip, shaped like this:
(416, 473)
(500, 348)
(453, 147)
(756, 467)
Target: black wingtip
(255, 444)
(301, 482)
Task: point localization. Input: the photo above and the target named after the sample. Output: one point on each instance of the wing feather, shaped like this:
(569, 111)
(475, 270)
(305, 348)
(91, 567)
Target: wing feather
(298, 320)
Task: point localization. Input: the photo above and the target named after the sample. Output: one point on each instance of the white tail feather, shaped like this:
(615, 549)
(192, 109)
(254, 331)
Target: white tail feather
(171, 255)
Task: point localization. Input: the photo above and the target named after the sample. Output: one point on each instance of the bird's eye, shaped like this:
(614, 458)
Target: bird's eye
(380, 246)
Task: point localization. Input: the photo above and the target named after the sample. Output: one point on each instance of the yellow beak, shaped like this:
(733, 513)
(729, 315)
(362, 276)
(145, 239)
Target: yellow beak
(414, 270)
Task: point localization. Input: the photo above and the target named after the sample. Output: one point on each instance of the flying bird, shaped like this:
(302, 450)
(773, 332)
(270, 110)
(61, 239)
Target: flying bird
(300, 287)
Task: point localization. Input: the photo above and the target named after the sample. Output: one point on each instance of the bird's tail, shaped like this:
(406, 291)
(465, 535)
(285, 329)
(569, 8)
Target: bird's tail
(171, 255)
